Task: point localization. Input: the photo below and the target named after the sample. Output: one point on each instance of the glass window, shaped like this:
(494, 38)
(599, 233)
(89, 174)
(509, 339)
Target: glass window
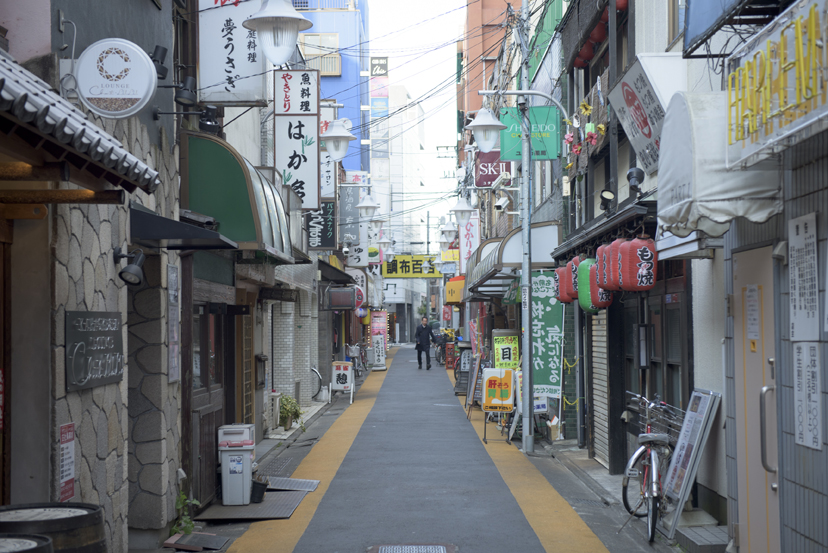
(319, 44)
(655, 328)
(676, 18)
(673, 319)
(198, 315)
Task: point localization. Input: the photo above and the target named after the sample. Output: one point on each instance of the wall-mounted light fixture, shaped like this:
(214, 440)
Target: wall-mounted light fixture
(206, 122)
(185, 94)
(158, 55)
(607, 196)
(132, 274)
(635, 176)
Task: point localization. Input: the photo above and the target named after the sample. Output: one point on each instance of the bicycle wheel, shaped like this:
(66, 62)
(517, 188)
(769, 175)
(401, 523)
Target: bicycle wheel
(652, 517)
(456, 369)
(438, 355)
(316, 382)
(633, 487)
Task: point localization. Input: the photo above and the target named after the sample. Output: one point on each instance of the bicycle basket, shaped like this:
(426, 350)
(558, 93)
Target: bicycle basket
(664, 419)
(353, 351)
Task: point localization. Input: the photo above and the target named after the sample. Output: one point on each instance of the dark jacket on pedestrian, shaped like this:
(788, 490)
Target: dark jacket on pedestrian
(421, 336)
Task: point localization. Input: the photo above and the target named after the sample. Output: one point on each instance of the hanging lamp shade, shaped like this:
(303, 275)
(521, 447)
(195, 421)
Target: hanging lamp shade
(367, 207)
(599, 33)
(556, 285)
(600, 298)
(638, 265)
(561, 277)
(359, 295)
(277, 24)
(336, 139)
(584, 280)
(486, 129)
(462, 211)
(612, 265)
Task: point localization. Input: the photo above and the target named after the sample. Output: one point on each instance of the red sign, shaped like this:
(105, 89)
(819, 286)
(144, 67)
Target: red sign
(636, 110)
(489, 167)
(67, 462)
(447, 313)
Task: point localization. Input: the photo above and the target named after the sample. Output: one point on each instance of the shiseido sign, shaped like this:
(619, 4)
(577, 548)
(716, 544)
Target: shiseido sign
(94, 349)
(489, 166)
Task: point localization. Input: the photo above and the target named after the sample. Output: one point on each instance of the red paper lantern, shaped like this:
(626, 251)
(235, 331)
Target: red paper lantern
(599, 33)
(600, 298)
(638, 265)
(612, 265)
(573, 274)
(623, 259)
(605, 15)
(599, 265)
(621, 5)
(579, 63)
(563, 278)
(587, 51)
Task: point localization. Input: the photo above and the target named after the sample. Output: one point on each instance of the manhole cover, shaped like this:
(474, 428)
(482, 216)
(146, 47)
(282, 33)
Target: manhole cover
(275, 467)
(413, 549)
(591, 502)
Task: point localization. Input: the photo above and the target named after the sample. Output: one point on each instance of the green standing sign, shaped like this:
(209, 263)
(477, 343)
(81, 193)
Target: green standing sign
(547, 336)
(546, 133)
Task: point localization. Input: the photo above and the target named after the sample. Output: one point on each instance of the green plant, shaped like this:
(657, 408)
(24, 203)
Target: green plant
(289, 408)
(184, 524)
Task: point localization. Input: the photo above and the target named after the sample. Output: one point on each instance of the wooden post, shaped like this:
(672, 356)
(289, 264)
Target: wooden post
(117, 197)
(20, 171)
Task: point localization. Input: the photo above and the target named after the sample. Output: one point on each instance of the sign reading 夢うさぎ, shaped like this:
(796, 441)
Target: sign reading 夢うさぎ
(94, 349)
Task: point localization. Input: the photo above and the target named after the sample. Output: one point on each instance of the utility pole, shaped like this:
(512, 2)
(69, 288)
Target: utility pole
(428, 230)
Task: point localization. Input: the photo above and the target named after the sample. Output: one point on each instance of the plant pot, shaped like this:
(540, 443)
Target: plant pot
(257, 491)
(287, 422)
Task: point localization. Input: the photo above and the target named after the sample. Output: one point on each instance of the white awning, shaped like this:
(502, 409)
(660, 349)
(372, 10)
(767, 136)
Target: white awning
(696, 191)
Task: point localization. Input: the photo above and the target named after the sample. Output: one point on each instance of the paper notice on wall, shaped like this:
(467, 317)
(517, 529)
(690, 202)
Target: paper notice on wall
(67, 462)
(807, 395)
(802, 266)
(752, 311)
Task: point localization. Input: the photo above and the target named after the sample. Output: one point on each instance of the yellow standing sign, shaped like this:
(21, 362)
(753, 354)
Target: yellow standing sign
(498, 390)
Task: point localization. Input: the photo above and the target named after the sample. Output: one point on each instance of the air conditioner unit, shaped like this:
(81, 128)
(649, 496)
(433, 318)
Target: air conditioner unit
(275, 403)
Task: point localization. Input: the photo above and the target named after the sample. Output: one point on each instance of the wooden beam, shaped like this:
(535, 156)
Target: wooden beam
(62, 197)
(23, 211)
(20, 171)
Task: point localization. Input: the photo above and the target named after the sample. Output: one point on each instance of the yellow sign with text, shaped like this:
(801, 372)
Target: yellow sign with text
(410, 266)
(498, 390)
(454, 290)
(450, 256)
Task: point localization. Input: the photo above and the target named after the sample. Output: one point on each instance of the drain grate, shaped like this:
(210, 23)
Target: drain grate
(590, 502)
(413, 549)
(275, 467)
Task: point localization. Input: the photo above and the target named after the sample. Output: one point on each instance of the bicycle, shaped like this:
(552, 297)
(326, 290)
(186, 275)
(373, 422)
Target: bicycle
(317, 381)
(357, 354)
(650, 462)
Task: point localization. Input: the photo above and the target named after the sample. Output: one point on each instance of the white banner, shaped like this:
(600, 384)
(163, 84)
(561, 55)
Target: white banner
(231, 66)
(328, 176)
(803, 273)
(469, 239)
(359, 253)
(296, 91)
(296, 154)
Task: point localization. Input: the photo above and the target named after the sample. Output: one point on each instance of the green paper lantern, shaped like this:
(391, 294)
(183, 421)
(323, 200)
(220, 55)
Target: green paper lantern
(589, 127)
(584, 299)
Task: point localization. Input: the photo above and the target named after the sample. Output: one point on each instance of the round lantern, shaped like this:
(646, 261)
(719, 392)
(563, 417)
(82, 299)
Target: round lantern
(612, 265)
(599, 265)
(605, 15)
(584, 299)
(600, 298)
(361, 312)
(599, 33)
(360, 296)
(623, 259)
(638, 265)
(621, 5)
(579, 63)
(556, 285)
(573, 267)
(561, 278)
(587, 51)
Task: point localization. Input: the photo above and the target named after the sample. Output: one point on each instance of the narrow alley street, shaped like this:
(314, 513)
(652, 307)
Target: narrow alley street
(403, 466)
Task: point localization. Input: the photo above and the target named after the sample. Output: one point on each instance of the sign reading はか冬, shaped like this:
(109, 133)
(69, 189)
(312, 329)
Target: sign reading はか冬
(94, 349)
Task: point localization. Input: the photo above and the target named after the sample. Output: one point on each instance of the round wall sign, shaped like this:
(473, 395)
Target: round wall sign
(116, 78)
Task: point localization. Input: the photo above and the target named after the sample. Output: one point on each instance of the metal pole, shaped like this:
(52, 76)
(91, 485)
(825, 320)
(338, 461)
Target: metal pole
(428, 229)
(526, 263)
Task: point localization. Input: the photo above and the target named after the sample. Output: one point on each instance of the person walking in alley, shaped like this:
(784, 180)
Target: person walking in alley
(423, 336)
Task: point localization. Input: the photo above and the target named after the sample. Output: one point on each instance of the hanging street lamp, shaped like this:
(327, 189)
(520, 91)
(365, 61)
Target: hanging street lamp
(486, 129)
(337, 139)
(278, 25)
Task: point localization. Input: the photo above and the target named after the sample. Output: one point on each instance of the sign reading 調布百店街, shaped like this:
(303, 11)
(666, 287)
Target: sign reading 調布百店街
(775, 85)
(231, 66)
(410, 266)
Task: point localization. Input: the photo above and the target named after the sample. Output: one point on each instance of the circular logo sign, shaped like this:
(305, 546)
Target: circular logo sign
(636, 110)
(116, 78)
(360, 296)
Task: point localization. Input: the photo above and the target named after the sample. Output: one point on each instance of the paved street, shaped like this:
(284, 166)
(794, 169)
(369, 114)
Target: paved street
(403, 465)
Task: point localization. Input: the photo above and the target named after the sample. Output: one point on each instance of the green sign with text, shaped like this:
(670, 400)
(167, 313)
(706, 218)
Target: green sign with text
(546, 133)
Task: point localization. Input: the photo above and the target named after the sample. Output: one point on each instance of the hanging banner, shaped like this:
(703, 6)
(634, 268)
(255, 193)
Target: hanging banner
(499, 386)
(231, 65)
(358, 256)
(547, 336)
(803, 272)
(379, 336)
(506, 354)
(489, 167)
(447, 313)
(474, 336)
(807, 395)
(546, 133)
(469, 239)
(321, 227)
(410, 266)
(328, 173)
(348, 212)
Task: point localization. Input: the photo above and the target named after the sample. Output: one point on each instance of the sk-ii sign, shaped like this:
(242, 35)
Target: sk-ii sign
(489, 166)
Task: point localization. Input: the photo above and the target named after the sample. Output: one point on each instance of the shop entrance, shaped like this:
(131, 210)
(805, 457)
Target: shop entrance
(753, 331)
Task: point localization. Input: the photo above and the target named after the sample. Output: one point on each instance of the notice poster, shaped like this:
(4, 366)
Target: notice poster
(173, 320)
(752, 311)
(807, 395)
(802, 267)
(506, 353)
(547, 336)
(379, 336)
(67, 462)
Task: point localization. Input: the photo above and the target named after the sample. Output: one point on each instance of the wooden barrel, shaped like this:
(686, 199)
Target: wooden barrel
(25, 543)
(73, 527)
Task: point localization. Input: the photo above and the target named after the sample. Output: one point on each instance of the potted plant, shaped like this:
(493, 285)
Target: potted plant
(288, 411)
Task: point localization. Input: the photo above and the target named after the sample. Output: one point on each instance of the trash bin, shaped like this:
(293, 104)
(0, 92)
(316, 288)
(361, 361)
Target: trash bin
(236, 471)
(237, 432)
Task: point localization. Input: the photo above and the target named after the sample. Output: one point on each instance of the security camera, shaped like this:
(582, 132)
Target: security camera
(503, 180)
(346, 250)
(501, 204)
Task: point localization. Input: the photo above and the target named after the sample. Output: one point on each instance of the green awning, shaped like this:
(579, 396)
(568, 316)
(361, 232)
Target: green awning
(217, 181)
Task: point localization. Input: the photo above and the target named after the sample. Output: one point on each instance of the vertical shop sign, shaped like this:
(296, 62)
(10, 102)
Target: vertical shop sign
(67, 461)
(802, 266)
(547, 336)
(321, 227)
(296, 131)
(446, 317)
(379, 336)
(359, 252)
(489, 167)
(469, 239)
(807, 395)
(231, 65)
(506, 353)
(328, 175)
(173, 318)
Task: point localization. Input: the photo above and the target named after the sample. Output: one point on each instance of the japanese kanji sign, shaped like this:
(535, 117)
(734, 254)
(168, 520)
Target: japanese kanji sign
(359, 255)
(506, 352)
(231, 68)
(328, 172)
(469, 239)
(296, 133)
(410, 266)
(322, 227)
(343, 376)
(379, 336)
(547, 336)
(803, 273)
(807, 395)
(499, 390)
(545, 133)
(348, 212)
